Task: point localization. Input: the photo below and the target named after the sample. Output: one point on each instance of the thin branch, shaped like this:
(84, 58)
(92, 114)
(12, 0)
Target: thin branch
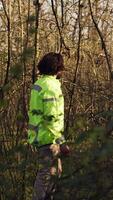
(4, 8)
(37, 10)
(9, 42)
(76, 70)
(59, 30)
(62, 11)
(3, 20)
(102, 40)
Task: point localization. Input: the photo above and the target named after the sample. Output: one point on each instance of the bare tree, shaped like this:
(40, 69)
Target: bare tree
(76, 69)
(102, 41)
(37, 10)
(8, 17)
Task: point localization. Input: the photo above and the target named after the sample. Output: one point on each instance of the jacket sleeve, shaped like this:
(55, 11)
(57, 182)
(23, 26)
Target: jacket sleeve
(35, 114)
(53, 108)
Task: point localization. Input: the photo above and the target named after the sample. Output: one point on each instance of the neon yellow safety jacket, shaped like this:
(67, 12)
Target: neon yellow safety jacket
(46, 112)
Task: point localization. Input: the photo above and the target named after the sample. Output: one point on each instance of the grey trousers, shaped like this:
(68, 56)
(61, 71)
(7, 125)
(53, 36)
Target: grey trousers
(47, 173)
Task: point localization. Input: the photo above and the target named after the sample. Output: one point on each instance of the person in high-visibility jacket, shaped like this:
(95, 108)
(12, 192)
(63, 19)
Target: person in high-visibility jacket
(46, 115)
(46, 122)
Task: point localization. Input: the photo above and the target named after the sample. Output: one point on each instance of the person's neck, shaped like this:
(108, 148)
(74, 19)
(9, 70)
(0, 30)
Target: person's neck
(47, 75)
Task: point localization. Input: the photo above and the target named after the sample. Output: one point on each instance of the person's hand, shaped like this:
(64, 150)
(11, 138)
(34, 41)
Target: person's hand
(55, 148)
(59, 167)
(64, 149)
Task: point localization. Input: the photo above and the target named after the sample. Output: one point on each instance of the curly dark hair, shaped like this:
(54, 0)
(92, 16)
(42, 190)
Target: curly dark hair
(51, 64)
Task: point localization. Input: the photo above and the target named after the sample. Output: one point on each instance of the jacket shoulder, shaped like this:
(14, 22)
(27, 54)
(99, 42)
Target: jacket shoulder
(48, 84)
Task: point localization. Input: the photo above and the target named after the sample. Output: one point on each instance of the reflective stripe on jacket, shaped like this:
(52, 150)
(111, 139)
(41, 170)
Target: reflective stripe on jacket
(46, 112)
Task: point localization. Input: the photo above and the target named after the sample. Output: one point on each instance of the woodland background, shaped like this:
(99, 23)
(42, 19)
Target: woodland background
(83, 32)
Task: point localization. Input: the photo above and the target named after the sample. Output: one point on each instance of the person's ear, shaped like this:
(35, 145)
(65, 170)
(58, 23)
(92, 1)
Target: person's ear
(59, 74)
